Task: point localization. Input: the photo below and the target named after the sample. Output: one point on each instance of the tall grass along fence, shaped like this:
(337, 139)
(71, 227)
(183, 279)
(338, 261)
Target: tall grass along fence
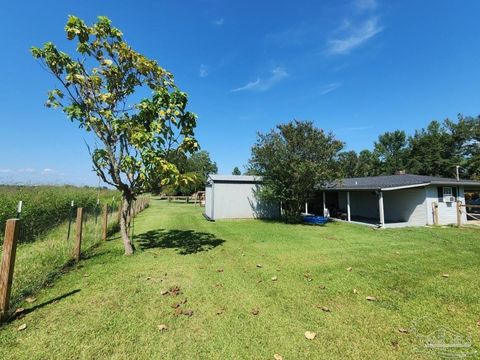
(45, 207)
(28, 265)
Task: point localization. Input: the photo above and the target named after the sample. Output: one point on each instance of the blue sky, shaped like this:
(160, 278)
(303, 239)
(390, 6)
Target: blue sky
(356, 67)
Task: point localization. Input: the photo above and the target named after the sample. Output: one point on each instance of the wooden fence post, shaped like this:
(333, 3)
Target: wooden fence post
(105, 222)
(78, 243)
(12, 229)
(435, 213)
(459, 213)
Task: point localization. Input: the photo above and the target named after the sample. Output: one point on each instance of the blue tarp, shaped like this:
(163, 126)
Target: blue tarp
(316, 220)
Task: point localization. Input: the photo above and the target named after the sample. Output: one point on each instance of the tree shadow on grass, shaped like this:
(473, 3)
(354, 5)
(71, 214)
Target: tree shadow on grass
(185, 241)
(39, 306)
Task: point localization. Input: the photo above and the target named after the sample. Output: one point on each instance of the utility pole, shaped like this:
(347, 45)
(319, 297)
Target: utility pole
(458, 174)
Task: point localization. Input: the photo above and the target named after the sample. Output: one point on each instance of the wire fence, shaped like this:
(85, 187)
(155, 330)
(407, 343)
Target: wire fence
(39, 262)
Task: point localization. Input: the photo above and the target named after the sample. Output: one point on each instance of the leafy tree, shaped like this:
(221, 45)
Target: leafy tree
(392, 151)
(466, 144)
(236, 171)
(432, 151)
(133, 141)
(294, 159)
(368, 164)
(196, 167)
(348, 162)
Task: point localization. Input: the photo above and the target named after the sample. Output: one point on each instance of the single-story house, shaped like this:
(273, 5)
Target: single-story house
(399, 200)
(235, 197)
(386, 201)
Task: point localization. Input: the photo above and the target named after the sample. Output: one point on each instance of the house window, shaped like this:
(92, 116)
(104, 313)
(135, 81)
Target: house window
(444, 191)
(447, 191)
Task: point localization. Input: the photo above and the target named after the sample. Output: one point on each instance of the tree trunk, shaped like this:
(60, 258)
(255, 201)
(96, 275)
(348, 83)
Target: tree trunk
(124, 219)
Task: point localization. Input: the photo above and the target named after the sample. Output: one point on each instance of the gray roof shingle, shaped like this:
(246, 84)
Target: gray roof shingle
(393, 181)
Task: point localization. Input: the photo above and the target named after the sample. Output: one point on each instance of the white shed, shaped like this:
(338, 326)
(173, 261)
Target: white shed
(235, 197)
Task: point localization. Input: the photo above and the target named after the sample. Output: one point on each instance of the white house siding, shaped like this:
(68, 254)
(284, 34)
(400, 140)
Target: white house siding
(237, 200)
(208, 201)
(407, 205)
(447, 212)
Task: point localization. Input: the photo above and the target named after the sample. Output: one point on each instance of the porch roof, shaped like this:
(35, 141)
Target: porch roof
(394, 182)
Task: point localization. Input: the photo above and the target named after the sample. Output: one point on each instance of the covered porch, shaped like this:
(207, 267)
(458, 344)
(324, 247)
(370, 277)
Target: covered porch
(364, 207)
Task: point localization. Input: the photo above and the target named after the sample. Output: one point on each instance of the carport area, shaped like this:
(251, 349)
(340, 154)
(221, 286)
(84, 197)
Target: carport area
(378, 208)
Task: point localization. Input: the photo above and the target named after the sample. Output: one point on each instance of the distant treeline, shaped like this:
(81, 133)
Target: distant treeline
(434, 151)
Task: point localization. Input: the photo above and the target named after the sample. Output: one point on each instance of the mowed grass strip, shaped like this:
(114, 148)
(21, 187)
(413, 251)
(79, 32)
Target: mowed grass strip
(110, 306)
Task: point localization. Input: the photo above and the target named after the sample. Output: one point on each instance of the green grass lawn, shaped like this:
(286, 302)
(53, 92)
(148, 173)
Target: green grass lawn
(110, 306)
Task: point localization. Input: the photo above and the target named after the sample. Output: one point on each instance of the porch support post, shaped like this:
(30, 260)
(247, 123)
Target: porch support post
(324, 207)
(306, 207)
(380, 209)
(349, 217)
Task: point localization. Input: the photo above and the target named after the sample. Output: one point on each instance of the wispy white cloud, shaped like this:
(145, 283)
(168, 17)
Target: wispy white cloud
(203, 71)
(48, 171)
(329, 88)
(219, 22)
(355, 36)
(276, 75)
(5, 171)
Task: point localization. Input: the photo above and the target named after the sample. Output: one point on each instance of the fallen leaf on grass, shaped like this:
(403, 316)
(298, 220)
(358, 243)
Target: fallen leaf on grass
(30, 299)
(355, 291)
(308, 276)
(178, 311)
(259, 281)
(277, 357)
(22, 327)
(371, 298)
(164, 292)
(86, 275)
(255, 311)
(395, 344)
(321, 286)
(175, 291)
(274, 278)
(219, 270)
(403, 330)
(188, 312)
(19, 310)
(310, 335)
(162, 327)
(478, 323)
(220, 311)
(259, 266)
(148, 278)
(325, 309)
(445, 275)
(349, 269)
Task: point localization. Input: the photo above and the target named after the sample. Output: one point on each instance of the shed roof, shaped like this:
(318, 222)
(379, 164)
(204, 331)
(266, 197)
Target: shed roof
(391, 182)
(235, 178)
